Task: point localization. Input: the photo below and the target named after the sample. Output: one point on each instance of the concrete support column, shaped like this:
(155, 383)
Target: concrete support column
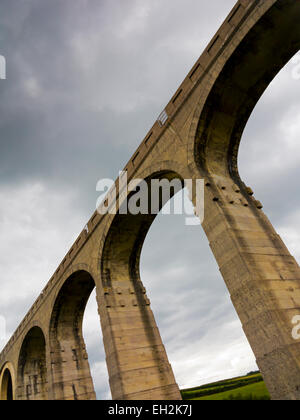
(70, 370)
(263, 280)
(137, 362)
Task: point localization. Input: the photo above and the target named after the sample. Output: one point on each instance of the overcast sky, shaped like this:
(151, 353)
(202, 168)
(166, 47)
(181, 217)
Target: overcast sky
(86, 80)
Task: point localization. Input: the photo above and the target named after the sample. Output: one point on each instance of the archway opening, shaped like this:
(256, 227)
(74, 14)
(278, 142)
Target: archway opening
(185, 284)
(93, 338)
(71, 374)
(137, 362)
(7, 386)
(269, 154)
(262, 53)
(201, 331)
(32, 370)
(123, 245)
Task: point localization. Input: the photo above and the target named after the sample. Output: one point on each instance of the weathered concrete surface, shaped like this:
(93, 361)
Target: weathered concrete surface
(46, 357)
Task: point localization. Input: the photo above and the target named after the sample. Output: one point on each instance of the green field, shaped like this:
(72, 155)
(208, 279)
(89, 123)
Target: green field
(250, 387)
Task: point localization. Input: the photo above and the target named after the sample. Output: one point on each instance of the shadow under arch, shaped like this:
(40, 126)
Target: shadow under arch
(32, 368)
(71, 376)
(265, 50)
(124, 240)
(6, 386)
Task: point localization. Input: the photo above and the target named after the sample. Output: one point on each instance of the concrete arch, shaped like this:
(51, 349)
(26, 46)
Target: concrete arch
(7, 383)
(32, 367)
(259, 57)
(167, 166)
(132, 342)
(125, 238)
(71, 377)
(71, 270)
(156, 168)
(7, 386)
(128, 232)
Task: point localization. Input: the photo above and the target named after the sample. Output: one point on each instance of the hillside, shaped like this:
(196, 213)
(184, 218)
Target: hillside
(250, 387)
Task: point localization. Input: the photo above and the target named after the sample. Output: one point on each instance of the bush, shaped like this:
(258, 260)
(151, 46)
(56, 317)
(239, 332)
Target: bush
(249, 397)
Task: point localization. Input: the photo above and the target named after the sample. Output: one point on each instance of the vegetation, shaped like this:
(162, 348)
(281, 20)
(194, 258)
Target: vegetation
(250, 387)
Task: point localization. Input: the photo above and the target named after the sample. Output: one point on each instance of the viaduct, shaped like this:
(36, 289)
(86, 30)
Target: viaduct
(196, 137)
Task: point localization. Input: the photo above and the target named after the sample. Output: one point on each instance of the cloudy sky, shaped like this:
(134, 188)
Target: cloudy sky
(86, 79)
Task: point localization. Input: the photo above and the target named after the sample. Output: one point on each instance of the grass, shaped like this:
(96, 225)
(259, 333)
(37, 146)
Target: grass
(250, 387)
(252, 392)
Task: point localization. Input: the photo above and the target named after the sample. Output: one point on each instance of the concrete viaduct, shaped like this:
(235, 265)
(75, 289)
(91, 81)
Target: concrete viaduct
(196, 137)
